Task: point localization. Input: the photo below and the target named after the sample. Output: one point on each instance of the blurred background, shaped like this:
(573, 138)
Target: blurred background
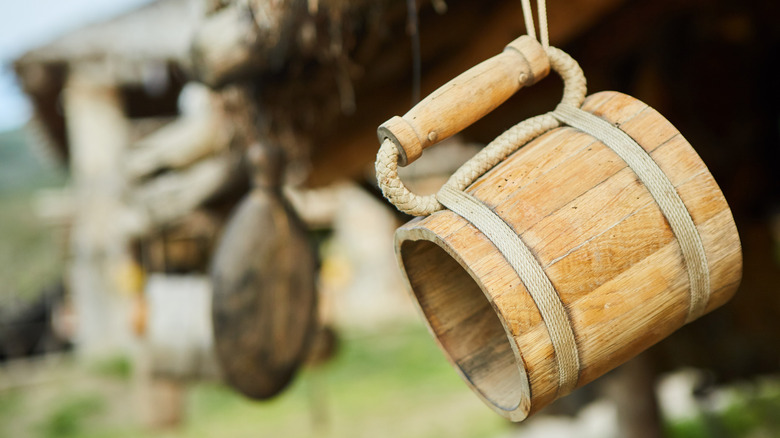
(131, 131)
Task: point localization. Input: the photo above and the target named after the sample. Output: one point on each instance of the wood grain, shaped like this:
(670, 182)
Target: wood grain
(601, 239)
(483, 87)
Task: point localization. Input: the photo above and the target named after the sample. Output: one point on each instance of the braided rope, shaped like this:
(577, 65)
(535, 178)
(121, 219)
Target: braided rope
(574, 89)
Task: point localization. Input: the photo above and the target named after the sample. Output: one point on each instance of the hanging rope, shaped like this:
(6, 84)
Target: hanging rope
(413, 29)
(528, 17)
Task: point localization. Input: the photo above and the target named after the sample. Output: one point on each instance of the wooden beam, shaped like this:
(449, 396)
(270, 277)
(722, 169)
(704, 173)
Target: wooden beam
(176, 145)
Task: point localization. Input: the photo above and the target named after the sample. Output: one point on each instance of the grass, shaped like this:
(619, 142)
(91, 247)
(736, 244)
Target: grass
(388, 383)
(71, 416)
(751, 413)
(118, 367)
(22, 170)
(29, 256)
(9, 404)
(30, 259)
(392, 382)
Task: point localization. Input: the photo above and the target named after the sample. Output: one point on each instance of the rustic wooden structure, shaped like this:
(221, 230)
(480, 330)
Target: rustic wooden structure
(105, 102)
(346, 67)
(146, 153)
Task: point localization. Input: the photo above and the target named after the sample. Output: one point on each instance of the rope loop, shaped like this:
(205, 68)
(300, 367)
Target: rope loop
(574, 90)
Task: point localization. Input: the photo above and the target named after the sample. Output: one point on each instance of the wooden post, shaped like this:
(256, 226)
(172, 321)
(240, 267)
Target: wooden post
(97, 133)
(632, 388)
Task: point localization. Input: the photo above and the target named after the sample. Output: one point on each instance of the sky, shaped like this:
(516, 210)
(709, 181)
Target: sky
(27, 24)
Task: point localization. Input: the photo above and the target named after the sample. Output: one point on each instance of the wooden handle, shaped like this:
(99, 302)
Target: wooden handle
(466, 99)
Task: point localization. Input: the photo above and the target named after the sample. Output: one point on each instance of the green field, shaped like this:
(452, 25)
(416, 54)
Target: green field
(30, 258)
(392, 382)
(385, 383)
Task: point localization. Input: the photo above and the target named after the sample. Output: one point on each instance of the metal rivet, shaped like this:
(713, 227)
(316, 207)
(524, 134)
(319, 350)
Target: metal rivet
(523, 78)
(432, 136)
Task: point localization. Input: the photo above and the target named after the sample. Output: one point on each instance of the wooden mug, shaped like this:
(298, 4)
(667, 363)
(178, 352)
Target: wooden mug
(599, 236)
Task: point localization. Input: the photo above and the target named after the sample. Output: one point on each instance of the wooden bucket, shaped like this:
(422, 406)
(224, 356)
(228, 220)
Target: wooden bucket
(599, 236)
